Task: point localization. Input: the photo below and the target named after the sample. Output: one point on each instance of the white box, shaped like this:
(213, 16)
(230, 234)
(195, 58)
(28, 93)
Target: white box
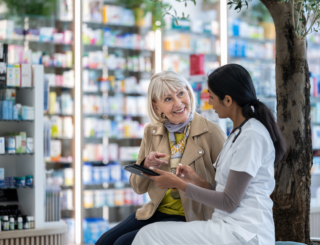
(17, 75)
(2, 148)
(26, 73)
(29, 145)
(10, 76)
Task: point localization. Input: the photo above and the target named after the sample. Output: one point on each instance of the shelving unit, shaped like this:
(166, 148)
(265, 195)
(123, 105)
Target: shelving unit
(46, 50)
(30, 199)
(107, 65)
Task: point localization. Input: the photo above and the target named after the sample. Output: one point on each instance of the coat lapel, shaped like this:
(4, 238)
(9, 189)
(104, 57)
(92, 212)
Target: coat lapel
(163, 145)
(193, 151)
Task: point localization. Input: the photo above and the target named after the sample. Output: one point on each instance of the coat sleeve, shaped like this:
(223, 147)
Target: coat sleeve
(138, 183)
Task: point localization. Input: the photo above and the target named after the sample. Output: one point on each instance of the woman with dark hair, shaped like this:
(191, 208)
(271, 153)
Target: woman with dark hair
(244, 177)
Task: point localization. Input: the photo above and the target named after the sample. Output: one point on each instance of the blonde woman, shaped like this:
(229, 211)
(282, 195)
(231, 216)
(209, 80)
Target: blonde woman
(176, 134)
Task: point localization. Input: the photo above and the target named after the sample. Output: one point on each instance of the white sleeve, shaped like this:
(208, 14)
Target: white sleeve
(252, 148)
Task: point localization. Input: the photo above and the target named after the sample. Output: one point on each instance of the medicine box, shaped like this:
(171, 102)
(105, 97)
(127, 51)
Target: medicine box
(3, 74)
(23, 142)
(1, 177)
(17, 75)
(10, 76)
(26, 73)
(2, 148)
(29, 145)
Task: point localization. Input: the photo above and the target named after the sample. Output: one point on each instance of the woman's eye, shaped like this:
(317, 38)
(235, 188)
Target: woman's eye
(181, 93)
(167, 99)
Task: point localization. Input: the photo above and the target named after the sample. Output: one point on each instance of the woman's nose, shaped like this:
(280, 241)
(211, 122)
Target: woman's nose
(177, 102)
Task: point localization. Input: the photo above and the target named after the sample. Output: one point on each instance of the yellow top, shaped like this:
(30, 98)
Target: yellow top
(169, 205)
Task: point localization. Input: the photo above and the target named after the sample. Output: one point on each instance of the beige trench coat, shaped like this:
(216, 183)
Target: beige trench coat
(204, 144)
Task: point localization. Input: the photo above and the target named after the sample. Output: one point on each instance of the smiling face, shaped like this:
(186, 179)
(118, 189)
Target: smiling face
(175, 105)
(221, 107)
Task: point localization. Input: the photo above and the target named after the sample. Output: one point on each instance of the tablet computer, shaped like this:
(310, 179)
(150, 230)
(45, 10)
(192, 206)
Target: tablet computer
(137, 169)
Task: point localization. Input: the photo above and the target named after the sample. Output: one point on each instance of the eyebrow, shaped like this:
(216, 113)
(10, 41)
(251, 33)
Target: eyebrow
(178, 91)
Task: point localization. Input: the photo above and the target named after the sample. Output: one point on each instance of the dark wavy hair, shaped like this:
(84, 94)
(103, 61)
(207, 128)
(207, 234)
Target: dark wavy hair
(235, 81)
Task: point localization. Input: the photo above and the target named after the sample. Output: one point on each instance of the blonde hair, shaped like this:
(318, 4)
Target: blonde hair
(160, 85)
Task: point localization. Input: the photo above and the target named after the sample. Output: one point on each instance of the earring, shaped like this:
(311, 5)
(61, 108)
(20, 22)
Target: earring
(163, 115)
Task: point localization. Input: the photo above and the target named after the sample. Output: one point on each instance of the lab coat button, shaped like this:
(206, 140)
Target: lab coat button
(200, 152)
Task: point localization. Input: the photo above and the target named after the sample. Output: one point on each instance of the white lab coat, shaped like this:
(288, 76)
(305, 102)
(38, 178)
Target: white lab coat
(252, 222)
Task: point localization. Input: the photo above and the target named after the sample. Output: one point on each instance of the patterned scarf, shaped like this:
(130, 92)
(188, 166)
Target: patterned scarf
(177, 150)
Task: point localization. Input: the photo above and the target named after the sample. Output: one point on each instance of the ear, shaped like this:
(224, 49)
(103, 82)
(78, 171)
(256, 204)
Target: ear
(227, 101)
(155, 108)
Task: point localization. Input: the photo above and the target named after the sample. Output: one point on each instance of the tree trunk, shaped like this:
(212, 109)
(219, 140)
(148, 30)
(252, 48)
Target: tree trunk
(291, 195)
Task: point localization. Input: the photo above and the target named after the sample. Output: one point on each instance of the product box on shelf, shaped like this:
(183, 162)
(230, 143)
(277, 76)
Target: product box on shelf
(26, 75)
(1, 177)
(2, 145)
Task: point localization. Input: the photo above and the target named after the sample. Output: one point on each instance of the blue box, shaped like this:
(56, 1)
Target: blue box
(10, 110)
(5, 110)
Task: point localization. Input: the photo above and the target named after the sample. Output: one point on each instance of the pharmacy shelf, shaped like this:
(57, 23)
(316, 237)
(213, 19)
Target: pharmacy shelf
(97, 162)
(60, 87)
(115, 70)
(117, 206)
(233, 58)
(189, 53)
(9, 87)
(18, 121)
(56, 230)
(58, 114)
(23, 41)
(65, 187)
(110, 92)
(16, 188)
(179, 31)
(61, 138)
(110, 25)
(106, 185)
(114, 115)
(112, 138)
(59, 67)
(17, 154)
(253, 39)
(64, 160)
(114, 47)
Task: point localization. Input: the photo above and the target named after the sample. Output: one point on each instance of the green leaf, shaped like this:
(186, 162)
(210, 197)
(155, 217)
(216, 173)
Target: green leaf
(185, 4)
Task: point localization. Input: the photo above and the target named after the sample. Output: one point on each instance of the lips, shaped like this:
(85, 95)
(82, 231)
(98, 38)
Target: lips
(180, 111)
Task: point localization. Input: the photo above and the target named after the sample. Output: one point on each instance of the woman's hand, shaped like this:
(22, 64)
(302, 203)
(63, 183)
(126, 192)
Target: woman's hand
(153, 160)
(167, 180)
(190, 176)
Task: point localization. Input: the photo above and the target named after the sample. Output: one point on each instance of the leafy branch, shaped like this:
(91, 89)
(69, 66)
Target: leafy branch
(30, 7)
(308, 14)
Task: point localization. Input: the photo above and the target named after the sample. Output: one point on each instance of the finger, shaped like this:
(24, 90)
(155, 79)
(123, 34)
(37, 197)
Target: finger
(158, 161)
(149, 176)
(152, 154)
(158, 171)
(180, 170)
(160, 155)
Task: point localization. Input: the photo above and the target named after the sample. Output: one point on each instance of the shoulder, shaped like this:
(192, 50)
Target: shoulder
(254, 130)
(212, 128)
(255, 127)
